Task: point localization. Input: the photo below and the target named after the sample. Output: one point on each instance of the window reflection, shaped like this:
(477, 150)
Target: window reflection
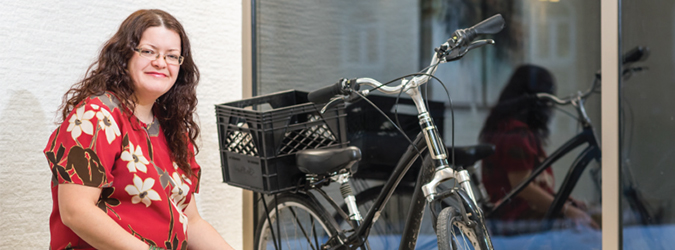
(389, 39)
(561, 38)
(518, 177)
(646, 125)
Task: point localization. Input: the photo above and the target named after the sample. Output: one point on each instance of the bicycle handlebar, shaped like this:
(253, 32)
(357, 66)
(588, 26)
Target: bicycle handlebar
(570, 99)
(639, 53)
(488, 26)
(636, 54)
(555, 99)
(324, 94)
(455, 48)
(342, 87)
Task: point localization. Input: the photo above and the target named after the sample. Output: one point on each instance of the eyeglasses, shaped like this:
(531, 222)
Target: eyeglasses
(170, 58)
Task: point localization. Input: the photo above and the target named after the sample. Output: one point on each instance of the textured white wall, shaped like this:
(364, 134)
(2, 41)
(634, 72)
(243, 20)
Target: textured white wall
(46, 46)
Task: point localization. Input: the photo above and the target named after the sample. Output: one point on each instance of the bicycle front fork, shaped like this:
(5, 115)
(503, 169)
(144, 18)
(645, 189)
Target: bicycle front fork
(439, 155)
(446, 173)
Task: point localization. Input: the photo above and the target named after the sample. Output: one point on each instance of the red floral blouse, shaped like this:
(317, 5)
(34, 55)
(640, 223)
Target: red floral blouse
(142, 189)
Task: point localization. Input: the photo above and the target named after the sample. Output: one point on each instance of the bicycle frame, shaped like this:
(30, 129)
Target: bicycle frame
(359, 237)
(415, 213)
(591, 152)
(439, 170)
(430, 140)
(430, 176)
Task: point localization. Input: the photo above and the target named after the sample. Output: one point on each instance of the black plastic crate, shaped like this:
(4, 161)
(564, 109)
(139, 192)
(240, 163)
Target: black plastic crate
(259, 137)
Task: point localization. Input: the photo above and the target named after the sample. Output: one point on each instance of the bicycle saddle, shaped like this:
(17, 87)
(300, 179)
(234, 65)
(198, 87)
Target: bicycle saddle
(469, 155)
(324, 161)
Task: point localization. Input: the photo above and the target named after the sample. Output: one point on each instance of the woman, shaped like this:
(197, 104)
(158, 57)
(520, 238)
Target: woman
(123, 160)
(518, 127)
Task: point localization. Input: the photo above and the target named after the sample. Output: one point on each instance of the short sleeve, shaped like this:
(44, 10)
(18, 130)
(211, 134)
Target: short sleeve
(517, 150)
(196, 169)
(84, 148)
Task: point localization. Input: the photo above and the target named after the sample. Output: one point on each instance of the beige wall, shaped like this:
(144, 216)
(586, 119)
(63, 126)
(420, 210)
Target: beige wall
(46, 46)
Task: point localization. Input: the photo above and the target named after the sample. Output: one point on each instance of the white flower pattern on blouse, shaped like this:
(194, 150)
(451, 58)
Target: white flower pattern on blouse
(183, 219)
(142, 191)
(135, 158)
(79, 123)
(179, 191)
(108, 124)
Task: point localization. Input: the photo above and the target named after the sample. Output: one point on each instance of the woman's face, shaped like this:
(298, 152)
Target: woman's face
(154, 77)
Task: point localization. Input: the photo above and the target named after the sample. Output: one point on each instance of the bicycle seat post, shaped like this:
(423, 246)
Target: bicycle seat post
(348, 196)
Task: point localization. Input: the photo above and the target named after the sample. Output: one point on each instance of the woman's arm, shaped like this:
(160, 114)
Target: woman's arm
(201, 235)
(540, 200)
(78, 210)
(536, 196)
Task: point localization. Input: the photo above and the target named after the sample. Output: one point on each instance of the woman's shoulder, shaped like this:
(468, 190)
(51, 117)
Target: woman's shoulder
(105, 105)
(513, 126)
(510, 131)
(107, 101)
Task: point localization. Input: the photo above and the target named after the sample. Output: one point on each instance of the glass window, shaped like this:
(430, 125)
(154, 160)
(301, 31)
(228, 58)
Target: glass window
(547, 46)
(647, 118)
(304, 45)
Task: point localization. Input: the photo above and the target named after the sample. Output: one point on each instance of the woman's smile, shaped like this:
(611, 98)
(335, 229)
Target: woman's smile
(156, 74)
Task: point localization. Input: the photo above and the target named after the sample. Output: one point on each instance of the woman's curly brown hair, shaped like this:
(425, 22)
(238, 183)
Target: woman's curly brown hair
(174, 110)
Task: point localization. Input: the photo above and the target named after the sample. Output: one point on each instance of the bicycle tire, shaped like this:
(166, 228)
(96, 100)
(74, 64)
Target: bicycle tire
(454, 234)
(301, 224)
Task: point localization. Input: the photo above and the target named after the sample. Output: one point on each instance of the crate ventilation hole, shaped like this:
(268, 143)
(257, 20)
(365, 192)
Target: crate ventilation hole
(312, 137)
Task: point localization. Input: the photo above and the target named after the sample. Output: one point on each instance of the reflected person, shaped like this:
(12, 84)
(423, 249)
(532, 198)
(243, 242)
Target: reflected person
(518, 127)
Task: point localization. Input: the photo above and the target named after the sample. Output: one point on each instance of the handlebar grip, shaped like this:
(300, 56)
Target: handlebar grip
(488, 26)
(323, 95)
(636, 54)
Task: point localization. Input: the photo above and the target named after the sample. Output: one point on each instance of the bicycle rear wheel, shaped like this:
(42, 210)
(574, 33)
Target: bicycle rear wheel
(454, 233)
(294, 221)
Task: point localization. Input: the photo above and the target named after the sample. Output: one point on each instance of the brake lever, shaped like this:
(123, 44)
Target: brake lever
(352, 97)
(480, 43)
(628, 73)
(332, 103)
(458, 53)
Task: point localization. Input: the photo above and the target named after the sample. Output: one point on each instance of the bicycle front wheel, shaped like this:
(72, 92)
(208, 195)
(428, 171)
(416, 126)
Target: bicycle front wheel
(454, 233)
(296, 221)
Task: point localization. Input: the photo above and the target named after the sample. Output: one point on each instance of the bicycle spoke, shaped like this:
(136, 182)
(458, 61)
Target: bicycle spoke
(269, 220)
(462, 237)
(285, 231)
(454, 232)
(294, 214)
(316, 239)
(464, 243)
(302, 228)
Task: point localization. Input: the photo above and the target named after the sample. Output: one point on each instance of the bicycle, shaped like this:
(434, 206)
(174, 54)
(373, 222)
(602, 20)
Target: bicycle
(298, 220)
(592, 152)
(647, 215)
